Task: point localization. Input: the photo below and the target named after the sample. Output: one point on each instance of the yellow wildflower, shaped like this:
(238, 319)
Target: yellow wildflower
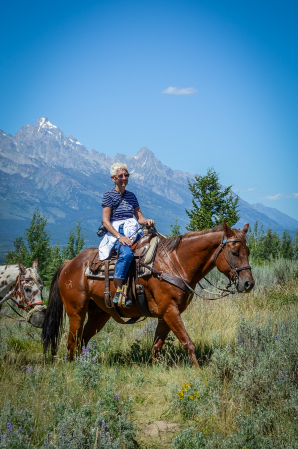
(191, 397)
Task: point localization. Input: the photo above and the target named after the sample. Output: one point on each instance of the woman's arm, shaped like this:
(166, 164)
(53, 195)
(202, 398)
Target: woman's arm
(106, 215)
(141, 219)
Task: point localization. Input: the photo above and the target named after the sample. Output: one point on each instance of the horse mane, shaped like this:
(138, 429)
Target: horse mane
(172, 243)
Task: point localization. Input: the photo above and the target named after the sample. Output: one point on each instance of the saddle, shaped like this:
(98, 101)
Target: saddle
(144, 252)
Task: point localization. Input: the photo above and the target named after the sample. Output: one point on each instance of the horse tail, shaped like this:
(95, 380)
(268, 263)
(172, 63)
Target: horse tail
(53, 323)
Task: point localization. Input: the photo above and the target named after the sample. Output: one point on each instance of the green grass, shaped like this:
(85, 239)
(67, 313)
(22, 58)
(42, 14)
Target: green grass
(244, 395)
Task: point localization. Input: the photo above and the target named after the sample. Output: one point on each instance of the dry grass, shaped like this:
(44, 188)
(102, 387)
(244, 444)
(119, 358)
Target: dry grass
(210, 324)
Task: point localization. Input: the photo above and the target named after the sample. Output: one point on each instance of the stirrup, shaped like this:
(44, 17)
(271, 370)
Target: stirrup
(116, 297)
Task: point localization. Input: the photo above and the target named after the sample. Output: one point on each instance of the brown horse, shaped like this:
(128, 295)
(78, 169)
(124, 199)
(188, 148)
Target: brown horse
(193, 254)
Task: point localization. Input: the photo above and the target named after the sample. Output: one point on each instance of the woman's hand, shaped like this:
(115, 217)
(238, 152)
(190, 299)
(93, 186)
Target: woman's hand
(149, 222)
(125, 240)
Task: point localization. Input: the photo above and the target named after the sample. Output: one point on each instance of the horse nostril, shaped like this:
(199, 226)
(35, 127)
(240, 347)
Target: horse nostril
(247, 285)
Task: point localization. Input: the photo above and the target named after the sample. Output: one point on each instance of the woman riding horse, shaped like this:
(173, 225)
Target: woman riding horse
(191, 256)
(119, 208)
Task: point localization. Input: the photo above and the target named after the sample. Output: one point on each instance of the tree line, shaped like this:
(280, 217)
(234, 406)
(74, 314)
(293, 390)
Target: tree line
(211, 204)
(36, 245)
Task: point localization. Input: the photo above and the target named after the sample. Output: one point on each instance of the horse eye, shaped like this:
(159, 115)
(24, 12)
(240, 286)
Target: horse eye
(235, 254)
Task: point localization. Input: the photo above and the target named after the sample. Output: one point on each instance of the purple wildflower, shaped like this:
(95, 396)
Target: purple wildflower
(9, 427)
(104, 426)
(94, 346)
(115, 371)
(117, 397)
(29, 369)
(276, 336)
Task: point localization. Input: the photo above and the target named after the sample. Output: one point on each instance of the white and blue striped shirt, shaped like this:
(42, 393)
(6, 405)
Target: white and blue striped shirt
(126, 209)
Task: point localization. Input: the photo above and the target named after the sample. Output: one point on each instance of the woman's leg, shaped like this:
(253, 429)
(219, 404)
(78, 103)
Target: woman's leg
(121, 269)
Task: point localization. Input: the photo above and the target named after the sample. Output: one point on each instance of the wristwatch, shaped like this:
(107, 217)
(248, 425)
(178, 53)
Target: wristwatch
(119, 236)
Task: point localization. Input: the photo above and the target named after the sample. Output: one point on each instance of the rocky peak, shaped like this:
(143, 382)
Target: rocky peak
(44, 123)
(143, 153)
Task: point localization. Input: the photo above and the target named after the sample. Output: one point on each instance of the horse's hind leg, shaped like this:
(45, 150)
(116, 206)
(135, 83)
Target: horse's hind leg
(76, 322)
(173, 319)
(97, 318)
(161, 334)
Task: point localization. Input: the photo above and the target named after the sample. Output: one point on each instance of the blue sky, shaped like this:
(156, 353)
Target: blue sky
(199, 83)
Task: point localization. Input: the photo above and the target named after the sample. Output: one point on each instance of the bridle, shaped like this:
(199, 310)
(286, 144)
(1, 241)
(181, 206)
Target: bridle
(235, 271)
(19, 291)
(234, 279)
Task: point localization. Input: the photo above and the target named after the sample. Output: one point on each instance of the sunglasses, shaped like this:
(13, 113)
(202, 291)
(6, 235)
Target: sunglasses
(122, 176)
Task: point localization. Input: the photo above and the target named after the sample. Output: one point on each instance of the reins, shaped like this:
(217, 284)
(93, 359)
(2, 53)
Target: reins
(224, 292)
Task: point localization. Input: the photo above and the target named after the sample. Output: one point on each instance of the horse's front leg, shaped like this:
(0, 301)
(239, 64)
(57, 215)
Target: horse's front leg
(173, 319)
(161, 334)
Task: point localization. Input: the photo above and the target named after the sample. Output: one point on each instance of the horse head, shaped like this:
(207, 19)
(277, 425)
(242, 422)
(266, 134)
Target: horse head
(28, 294)
(232, 258)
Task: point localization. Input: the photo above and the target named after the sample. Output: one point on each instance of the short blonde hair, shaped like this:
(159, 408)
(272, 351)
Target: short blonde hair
(116, 167)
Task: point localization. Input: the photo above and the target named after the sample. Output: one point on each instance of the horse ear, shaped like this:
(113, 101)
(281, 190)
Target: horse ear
(22, 268)
(35, 264)
(245, 229)
(227, 230)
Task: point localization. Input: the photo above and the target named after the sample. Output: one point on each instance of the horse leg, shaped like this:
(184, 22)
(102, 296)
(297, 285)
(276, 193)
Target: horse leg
(97, 318)
(161, 333)
(76, 322)
(173, 319)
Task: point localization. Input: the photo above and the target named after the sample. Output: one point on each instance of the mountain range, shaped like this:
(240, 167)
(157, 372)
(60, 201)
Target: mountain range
(41, 168)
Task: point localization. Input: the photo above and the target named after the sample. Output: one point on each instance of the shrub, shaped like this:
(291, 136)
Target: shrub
(261, 369)
(196, 397)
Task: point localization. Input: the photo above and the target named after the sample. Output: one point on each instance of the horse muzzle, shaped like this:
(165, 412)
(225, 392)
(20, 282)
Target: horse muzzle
(36, 317)
(245, 285)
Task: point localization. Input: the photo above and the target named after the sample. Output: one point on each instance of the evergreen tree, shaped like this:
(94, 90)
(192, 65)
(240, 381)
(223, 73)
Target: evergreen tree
(211, 203)
(55, 261)
(295, 246)
(255, 241)
(271, 245)
(19, 254)
(175, 229)
(286, 248)
(37, 245)
(38, 241)
(76, 242)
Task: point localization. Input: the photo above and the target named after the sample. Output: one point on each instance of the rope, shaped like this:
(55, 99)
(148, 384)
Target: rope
(33, 311)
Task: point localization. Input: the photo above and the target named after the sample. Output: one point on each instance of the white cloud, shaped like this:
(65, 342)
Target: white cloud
(246, 190)
(278, 196)
(179, 90)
